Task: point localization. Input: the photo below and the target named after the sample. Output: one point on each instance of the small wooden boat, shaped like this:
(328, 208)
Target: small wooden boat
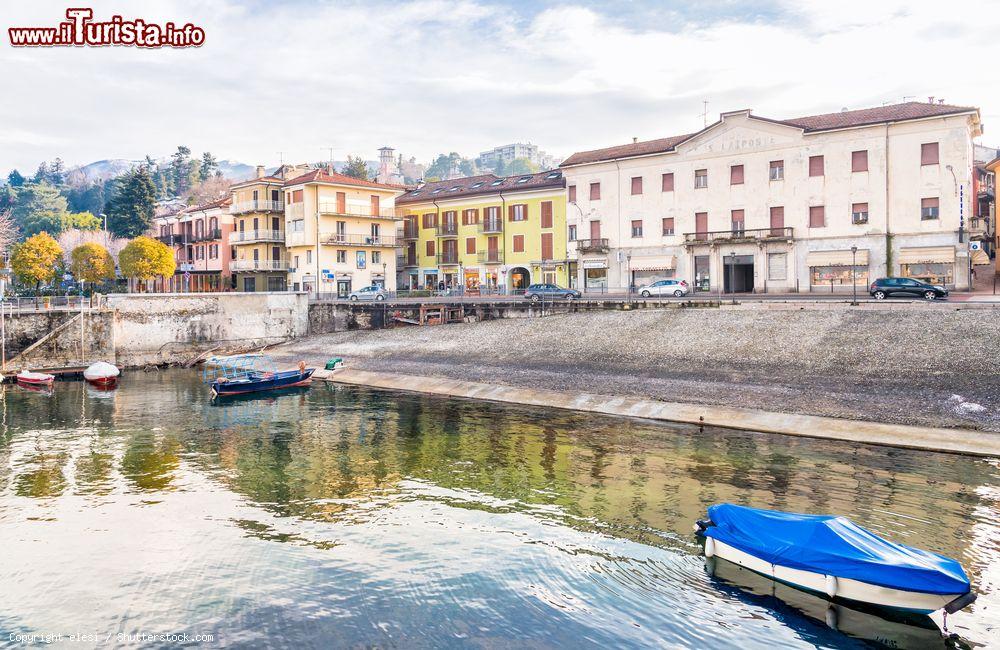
(28, 378)
(833, 556)
(102, 374)
(242, 374)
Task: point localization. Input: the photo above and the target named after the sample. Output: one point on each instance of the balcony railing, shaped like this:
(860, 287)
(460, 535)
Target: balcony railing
(256, 206)
(169, 240)
(258, 265)
(592, 245)
(410, 261)
(208, 235)
(491, 225)
(410, 231)
(490, 257)
(250, 236)
(353, 210)
(447, 259)
(447, 229)
(371, 241)
(742, 235)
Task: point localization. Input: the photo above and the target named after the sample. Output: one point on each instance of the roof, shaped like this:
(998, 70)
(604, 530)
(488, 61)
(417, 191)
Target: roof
(483, 184)
(218, 203)
(259, 179)
(320, 176)
(994, 164)
(810, 123)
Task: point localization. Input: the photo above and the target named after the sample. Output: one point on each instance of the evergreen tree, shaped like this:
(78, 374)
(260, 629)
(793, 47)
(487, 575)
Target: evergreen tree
(130, 209)
(8, 197)
(209, 167)
(356, 167)
(57, 172)
(15, 179)
(86, 197)
(180, 168)
(42, 174)
(39, 207)
(445, 166)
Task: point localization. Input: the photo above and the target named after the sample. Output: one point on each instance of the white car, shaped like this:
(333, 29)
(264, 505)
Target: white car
(373, 292)
(676, 288)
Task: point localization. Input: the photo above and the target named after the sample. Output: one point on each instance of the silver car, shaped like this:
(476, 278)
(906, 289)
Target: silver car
(373, 292)
(676, 288)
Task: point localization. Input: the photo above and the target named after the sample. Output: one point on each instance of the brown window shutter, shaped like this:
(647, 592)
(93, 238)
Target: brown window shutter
(859, 161)
(546, 214)
(929, 203)
(430, 248)
(817, 216)
(518, 242)
(595, 191)
(546, 245)
(475, 215)
(668, 182)
(815, 165)
(510, 212)
(636, 185)
(470, 245)
(668, 225)
(777, 218)
(929, 153)
(701, 222)
(572, 193)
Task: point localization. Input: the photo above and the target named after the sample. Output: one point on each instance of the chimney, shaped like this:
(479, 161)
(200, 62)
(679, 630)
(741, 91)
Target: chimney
(930, 100)
(635, 140)
(260, 171)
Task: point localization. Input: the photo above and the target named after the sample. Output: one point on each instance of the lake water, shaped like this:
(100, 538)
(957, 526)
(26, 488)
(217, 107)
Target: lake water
(338, 516)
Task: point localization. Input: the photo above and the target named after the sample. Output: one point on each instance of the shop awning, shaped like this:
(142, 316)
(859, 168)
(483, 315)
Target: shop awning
(836, 258)
(979, 256)
(927, 255)
(659, 263)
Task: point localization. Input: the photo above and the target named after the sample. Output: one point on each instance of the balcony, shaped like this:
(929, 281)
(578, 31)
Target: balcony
(592, 245)
(409, 261)
(208, 235)
(169, 240)
(448, 229)
(257, 206)
(253, 236)
(720, 237)
(447, 259)
(410, 231)
(354, 210)
(367, 241)
(490, 257)
(244, 266)
(487, 226)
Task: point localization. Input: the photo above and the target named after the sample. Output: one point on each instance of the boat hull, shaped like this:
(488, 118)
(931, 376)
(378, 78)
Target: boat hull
(845, 588)
(35, 379)
(103, 382)
(263, 382)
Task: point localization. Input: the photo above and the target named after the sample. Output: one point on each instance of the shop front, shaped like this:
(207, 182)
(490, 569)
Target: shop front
(471, 277)
(595, 274)
(931, 264)
(831, 271)
(519, 277)
(648, 269)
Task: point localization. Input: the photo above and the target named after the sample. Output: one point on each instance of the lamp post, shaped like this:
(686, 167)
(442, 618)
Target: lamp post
(105, 217)
(854, 270)
(732, 274)
(628, 276)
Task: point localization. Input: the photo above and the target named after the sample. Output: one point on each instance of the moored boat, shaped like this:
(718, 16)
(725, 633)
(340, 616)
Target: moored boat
(102, 374)
(30, 378)
(242, 374)
(835, 557)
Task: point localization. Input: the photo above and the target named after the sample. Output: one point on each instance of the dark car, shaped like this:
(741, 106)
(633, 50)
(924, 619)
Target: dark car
(536, 292)
(906, 287)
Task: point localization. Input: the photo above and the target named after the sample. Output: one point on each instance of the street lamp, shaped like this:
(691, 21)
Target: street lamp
(628, 275)
(105, 217)
(732, 275)
(854, 269)
(385, 281)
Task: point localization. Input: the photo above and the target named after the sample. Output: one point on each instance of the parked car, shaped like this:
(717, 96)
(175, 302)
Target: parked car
(373, 292)
(536, 292)
(885, 287)
(665, 288)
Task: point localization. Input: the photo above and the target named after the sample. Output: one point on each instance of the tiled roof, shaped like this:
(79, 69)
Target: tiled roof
(482, 184)
(262, 179)
(320, 176)
(809, 123)
(218, 203)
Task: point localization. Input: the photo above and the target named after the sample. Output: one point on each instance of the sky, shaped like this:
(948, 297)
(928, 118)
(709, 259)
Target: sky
(285, 80)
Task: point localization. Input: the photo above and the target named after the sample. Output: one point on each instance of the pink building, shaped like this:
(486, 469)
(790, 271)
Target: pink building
(199, 236)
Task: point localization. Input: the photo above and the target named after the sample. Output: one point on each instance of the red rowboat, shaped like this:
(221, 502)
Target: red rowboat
(35, 378)
(102, 374)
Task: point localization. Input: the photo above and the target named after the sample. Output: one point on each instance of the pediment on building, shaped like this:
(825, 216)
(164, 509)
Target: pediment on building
(739, 132)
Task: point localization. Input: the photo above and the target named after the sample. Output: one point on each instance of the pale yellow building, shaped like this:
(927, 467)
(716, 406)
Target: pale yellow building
(340, 233)
(257, 242)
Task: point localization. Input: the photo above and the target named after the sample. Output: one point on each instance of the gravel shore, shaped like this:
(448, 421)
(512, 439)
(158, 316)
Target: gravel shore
(934, 368)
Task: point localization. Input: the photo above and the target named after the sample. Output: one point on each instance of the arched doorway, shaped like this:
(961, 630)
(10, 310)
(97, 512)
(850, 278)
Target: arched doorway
(520, 278)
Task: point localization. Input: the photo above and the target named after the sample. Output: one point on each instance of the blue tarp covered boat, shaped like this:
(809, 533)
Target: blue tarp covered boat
(835, 556)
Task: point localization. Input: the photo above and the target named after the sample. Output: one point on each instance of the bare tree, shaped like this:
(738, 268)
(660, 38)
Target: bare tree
(208, 190)
(8, 232)
(70, 239)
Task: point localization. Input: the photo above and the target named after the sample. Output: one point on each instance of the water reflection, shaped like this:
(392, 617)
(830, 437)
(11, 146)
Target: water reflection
(355, 517)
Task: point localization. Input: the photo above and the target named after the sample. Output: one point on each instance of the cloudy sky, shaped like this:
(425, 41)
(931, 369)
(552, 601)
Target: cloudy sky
(431, 76)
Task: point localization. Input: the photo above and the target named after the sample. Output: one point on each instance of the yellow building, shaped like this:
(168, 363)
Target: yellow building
(340, 233)
(485, 232)
(258, 262)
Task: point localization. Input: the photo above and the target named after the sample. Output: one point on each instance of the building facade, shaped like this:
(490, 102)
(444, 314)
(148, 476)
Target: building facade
(485, 233)
(204, 255)
(258, 239)
(506, 154)
(752, 204)
(340, 233)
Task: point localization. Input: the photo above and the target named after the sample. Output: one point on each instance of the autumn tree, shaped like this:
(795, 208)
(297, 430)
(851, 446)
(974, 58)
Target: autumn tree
(144, 258)
(34, 260)
(92, 263)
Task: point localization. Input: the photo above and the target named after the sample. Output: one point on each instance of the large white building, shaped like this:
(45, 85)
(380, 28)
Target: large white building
(505, 154)
(756, 204)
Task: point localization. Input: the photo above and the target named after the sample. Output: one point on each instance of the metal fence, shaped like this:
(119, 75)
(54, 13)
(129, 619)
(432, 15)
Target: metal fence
(52, 303)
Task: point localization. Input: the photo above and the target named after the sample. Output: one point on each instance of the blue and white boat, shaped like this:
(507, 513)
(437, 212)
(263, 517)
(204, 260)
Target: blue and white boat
(831, 555)
(251, 373)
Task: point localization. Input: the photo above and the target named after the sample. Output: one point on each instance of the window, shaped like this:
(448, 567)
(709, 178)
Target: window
(930, 272)
(777, 221)
(668, 226)
(700, 178)
(859, 161)
(637, 227)
(470, 245)
(777, 171)
(376, 257)
(430, 249)
(815, 165)
(572, 193)
(524, 179)
(295, 262)
(546, 214)
(859, 213)
(546, 245)
(667, 182)
(309, 256)
(341, 257)
(572, 232)
(429, 220)
(701, 222)
(518, 241)
(275, 194)
(929, 208)
(736, 175)
(737, 219)
(595, 191)
(817, 216)
(636, 185)
(777, 266)
(830, 276)
(518, 212)
(470, 217)
(929, 153)
(298, 225)
(297, 196)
